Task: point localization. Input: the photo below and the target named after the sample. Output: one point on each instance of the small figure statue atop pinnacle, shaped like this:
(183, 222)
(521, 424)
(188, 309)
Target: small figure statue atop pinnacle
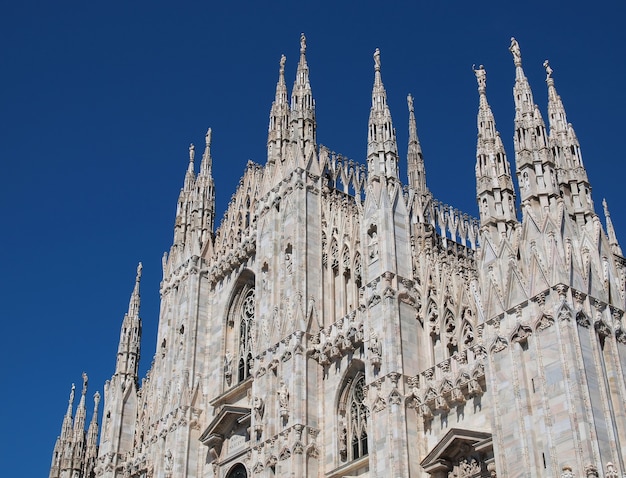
(481, 76)
(546, 65)
(409, 100)
(283, 59)
(302, 43)
(515, 50)
(377, 60)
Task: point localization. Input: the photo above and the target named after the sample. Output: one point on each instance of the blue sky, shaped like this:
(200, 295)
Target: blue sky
(100, 100)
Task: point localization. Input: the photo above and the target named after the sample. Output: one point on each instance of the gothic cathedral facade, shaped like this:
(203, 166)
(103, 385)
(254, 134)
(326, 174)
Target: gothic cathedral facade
(340, 323)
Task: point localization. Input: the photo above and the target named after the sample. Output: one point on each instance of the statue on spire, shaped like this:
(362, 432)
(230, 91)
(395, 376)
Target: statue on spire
(302, 44)
(377, 60)
(140, 266)
(192, 152)
(515, 50)
(207, 138)
(409, 101)
(546, 65)
(283, 59)
(481, 76)
(84, 383)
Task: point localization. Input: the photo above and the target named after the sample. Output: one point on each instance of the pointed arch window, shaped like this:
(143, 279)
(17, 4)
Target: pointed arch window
(246, 320)
(353, 437)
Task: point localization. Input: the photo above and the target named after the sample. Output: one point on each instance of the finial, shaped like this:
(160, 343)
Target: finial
(302, 43)
(481, 77)
(605, 207)
(377, 60)
(283, 60)
(409, 100)
(84, 383)
(138, 278)
(515, 50)
(207, 137)
(192, 152)
(546, 65)
(71, 400)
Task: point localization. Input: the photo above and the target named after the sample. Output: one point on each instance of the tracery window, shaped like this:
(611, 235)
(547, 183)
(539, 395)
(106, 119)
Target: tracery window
(353, 438)
(244, 359)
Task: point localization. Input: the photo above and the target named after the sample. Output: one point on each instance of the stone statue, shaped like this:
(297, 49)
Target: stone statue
(259, 408)
(515, 50)
(377, 59)
(302, 43)
(481, 76)
(546, 65)
(409, 100)
(283, 396)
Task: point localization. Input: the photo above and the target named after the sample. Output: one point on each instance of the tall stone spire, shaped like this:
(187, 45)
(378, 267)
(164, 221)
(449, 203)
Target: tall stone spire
(78, 441)
(66, 429)
(573, 181)
(534, 161)
(415, 160)
(190, 175)
(204, 202)
(382, 149)
(130, 335)
(615, 247)
(302, 104)
(91, 449)
(494, 185)
(63, 448)
(278, 131)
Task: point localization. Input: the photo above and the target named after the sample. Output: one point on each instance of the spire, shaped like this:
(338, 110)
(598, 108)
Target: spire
(133, 305)
(207, 163)
(382, 149)
(302, 103)
(190, 176)
(573, 181)
(615, 247)
(494, 185)
(279, 118)
(416, 171)
(66, 429)
(535, 163)
(91, 449)
(130, 334)
(81, 414)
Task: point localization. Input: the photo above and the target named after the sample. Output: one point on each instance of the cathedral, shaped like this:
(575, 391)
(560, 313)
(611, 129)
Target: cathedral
(343, 322)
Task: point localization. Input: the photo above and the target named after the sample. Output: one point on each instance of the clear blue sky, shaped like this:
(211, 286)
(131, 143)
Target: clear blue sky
(100, 100)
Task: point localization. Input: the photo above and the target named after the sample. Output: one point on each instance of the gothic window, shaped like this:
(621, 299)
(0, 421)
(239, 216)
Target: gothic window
(246, 320)
(353, 419)
(238, 471)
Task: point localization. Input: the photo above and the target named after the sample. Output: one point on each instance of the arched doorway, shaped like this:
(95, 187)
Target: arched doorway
(237, 471)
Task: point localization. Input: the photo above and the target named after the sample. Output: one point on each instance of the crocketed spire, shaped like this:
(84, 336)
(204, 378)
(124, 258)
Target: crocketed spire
(533, 158)
(382, 148)
(494, 185)
(415, 159)
(573, 181)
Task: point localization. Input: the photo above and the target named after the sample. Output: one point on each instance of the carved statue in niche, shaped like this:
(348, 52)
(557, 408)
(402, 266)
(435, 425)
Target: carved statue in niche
(283, 399)
(169, 462)
(228, 366)
(373, 243)
(375, 349)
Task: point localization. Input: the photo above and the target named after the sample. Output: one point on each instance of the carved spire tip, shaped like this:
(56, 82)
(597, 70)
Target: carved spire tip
(549, 71)
(515, 50)
(302, 43)
(207, 137)
(409, 101)
(377, 59)
(481, 77)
